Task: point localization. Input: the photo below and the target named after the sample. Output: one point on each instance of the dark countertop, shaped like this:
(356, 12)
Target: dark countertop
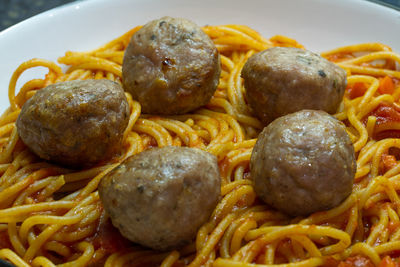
(391, 3)
(14, 11)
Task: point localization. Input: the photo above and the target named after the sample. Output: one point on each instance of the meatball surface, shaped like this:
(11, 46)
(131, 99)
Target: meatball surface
(303, 162)
(160, 197)
(282, 80)
(75, 123)
(171, 67)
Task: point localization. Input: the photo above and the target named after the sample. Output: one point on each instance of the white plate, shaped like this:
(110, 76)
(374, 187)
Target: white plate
(318, 24)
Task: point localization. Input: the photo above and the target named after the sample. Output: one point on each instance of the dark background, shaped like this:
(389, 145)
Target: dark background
(14, 11)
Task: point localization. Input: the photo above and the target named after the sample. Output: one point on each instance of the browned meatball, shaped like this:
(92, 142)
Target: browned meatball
(303, 162)
(171, 66)
(282, 80)
(160, 197)
(75, 123)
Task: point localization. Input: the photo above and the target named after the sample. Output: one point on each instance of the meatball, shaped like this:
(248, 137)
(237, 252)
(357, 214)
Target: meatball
(282, 80)
(75, 123)
(160, 197)
(303, 162)
(171, 67)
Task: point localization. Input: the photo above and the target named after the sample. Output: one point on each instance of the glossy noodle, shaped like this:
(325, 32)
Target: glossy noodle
(51, 216)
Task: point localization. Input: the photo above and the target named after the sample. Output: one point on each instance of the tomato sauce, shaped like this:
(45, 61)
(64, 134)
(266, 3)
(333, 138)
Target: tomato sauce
(109, 238)
(356, 261)
(387, 118)
(387, 261)
(4, 240)
(356, 90)
(337, 57)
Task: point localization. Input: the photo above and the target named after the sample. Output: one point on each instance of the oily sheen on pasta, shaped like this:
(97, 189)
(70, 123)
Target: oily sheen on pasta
(52, 215)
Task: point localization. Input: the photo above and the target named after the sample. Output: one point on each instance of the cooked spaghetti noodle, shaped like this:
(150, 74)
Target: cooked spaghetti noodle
(53, 216)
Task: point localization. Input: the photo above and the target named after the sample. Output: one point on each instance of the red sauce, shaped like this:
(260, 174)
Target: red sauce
(387, 120)
(261, 257)
(339, 57)
(387, 163)
(394, 255)
(331, 262)
(356, 90)
(356, 261)
(386, 115)
(386, 85)
(389, 262)
(386, 112)
(149, 141)
(4, 240)
(393, 226)
(109, 238)
(224, 166)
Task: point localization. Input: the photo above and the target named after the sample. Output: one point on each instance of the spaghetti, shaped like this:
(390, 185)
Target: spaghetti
(53, 216)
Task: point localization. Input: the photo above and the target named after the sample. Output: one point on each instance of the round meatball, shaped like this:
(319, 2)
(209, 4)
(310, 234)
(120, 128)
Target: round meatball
(282, 80)
(303, 162)
(171, 67)
(75, 123)
(160, 197)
